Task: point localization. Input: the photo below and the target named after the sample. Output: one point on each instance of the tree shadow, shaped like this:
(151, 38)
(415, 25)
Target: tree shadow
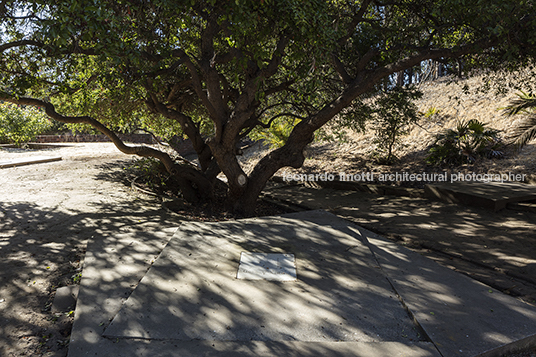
(502, 241)
(39, 249)
(191, 292)
(42, 248)
(191, 299)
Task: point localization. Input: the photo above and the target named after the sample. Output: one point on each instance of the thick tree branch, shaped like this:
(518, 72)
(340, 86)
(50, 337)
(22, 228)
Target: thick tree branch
(198, 85)
(285, 86)
(188, 127)
(291, 154)
(277, 56)
(212, 77)
(245, 104)
(367, 57)
(176, 87)
(21, 43)
(181, 172)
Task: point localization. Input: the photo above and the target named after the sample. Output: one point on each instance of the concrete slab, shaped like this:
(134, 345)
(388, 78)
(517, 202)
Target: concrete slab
(462, 316)
(28, 161)
(492, 195)
(196, 348)
(113, 266)
(190, 302)
(191, 291)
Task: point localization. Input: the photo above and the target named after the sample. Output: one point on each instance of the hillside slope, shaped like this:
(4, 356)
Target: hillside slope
(355, 153)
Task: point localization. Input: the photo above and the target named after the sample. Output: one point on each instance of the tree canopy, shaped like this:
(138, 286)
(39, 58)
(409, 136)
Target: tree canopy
(215, 71)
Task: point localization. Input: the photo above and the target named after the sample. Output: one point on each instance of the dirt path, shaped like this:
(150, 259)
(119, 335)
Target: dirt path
(47, 213)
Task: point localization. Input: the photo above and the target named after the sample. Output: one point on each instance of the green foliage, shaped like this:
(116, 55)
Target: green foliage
(431, 112)
(392, 114)
(56, 127)
(76, 277)
(20, 125)
(525, 131)
(277, 134)
(465, 144)
(149, 174)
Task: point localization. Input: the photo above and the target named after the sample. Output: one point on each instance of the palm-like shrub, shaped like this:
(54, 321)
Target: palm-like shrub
(525, 131)
(464, 144)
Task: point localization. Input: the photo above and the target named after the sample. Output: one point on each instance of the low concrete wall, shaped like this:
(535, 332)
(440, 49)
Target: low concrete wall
(82, 138)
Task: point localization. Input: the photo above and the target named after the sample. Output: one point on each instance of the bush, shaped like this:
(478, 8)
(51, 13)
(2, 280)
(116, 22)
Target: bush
(464, 144)
(278, 132)
(20, 125)
(393, 114)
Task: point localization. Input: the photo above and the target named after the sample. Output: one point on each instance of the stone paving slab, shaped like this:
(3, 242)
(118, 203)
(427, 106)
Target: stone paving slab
(113, 266)
(462, 316)
(28, 161)
(491, 195)
(339, 284)
(191, 291)
(196, 348)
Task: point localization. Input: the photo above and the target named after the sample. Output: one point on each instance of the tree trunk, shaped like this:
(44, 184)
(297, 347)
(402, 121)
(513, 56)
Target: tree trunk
(400, 79)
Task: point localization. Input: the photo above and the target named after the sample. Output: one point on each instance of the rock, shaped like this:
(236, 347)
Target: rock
(65, 298)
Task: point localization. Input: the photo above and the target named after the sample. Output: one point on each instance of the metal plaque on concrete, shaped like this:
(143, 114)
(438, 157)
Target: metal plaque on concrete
(267, 266)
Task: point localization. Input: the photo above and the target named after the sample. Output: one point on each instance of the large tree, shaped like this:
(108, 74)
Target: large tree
(217, 70)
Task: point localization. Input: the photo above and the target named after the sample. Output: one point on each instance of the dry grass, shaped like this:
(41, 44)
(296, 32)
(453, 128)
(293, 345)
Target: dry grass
(354, 154)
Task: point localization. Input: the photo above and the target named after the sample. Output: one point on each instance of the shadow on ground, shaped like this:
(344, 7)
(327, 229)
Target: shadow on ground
(494, 247)
(43, 242)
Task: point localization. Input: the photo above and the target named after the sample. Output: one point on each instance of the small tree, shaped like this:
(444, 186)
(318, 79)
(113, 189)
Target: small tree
(392, 116)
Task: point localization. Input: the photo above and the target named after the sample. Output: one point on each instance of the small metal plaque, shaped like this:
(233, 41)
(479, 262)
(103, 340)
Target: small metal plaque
(267, 266)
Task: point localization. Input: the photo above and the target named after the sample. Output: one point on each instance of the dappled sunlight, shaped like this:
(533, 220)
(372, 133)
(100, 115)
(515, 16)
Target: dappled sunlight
(474, 233)
(47, 215)
(497, 337)
(338, 280)
(195, 279)
(32, 260)
(458, 313)
(519, 261)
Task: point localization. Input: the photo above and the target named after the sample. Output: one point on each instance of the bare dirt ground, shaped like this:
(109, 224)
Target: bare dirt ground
(48, 212)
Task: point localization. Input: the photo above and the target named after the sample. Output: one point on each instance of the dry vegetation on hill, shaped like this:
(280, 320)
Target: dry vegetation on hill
(446, 96)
